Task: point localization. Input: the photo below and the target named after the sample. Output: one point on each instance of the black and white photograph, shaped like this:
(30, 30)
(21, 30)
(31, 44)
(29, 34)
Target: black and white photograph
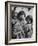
(20, 22)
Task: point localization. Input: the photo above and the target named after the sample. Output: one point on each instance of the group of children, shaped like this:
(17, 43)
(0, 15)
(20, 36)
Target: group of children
(22, 26)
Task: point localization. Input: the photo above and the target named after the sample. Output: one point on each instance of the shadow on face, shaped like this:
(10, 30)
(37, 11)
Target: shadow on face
(21, 15)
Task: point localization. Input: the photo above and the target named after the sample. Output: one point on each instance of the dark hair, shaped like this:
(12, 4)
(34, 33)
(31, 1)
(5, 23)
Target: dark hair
(29, 17)
(20, 14)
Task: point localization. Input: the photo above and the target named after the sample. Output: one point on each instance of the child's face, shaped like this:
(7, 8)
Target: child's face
(22, 17)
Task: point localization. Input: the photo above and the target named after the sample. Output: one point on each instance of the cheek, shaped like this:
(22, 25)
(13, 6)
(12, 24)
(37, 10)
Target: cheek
(30, 27)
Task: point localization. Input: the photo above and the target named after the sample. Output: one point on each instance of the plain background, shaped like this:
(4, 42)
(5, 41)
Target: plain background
(2, 23)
